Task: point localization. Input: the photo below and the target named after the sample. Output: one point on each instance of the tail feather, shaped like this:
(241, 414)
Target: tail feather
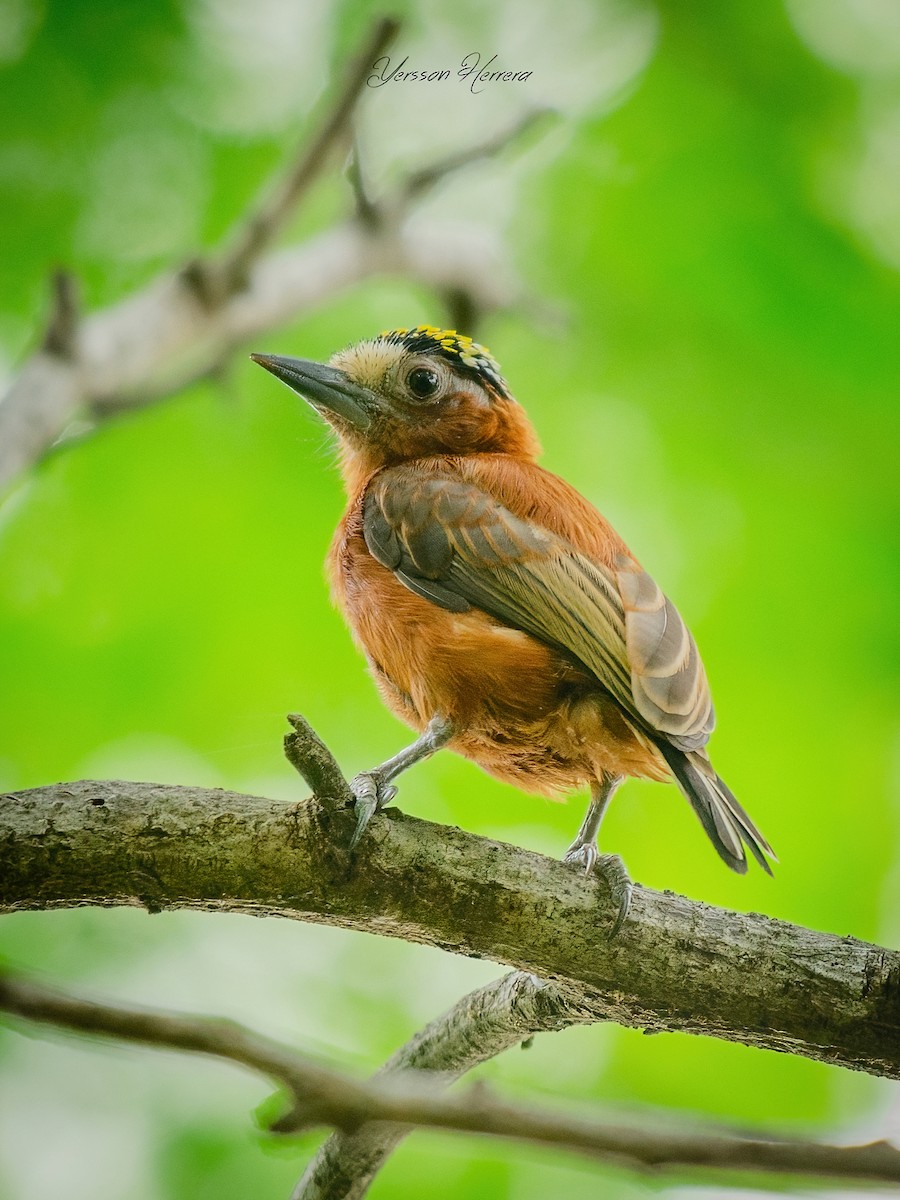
(727, 825)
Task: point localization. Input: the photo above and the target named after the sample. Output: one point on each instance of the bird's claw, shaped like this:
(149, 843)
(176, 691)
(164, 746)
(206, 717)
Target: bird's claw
(614, 874)
(582, 856)
(371, 794)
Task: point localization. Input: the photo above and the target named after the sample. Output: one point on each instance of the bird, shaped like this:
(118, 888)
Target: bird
(500, 613)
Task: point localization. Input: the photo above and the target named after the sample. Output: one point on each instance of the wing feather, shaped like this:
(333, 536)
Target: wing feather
(454, 544)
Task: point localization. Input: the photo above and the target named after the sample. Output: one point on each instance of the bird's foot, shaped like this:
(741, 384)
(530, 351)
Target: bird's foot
(371, 794)
(613, 871)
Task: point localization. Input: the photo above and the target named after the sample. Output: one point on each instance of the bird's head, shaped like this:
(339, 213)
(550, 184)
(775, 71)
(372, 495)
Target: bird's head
(411, 393)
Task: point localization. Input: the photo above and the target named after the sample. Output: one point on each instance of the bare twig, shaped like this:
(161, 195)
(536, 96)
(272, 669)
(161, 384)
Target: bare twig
(463, 310)
(272, 212)
(424, 179)
(220, 276)
(368, 213)
(324, 1096)
(675, 965)
(311, 758)
(60, 336)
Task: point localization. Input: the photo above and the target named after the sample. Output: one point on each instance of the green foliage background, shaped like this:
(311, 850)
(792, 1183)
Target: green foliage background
(711, 227)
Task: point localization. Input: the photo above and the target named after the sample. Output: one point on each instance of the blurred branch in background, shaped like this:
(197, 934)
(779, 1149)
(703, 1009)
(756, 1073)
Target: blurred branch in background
(220, 276)
(323, 1096)
(478, 1027)
(507, 1012)
(186, 323)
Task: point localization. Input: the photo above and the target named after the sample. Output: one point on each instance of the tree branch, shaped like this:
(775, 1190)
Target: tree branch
(423, 180)
(145, 347)
(478, 1027)
(325, 1096)
(226, 273)
(676, 964)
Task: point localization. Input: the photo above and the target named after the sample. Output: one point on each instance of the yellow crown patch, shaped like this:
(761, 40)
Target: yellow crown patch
(457, 348)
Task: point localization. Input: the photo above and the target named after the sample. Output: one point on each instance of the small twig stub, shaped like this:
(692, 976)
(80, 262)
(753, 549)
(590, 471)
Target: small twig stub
(311, 758)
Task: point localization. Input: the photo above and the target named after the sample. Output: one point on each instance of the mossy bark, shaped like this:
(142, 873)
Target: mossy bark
(675, 965)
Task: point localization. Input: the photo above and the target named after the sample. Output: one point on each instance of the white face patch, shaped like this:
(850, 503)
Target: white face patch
(368, 363)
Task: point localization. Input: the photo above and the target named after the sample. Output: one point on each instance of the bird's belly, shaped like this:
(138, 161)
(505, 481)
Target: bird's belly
(525, 712)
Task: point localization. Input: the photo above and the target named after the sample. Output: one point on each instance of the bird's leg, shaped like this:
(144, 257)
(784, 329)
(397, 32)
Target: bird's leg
(584, 851)
(373, 789)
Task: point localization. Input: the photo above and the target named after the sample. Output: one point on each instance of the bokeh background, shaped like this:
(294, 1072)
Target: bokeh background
(709, 231)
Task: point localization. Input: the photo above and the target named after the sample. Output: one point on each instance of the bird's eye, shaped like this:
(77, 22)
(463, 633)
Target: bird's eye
(423, 383)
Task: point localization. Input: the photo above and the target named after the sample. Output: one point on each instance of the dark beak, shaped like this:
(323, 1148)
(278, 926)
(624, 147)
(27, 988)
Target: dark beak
(326, 388)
